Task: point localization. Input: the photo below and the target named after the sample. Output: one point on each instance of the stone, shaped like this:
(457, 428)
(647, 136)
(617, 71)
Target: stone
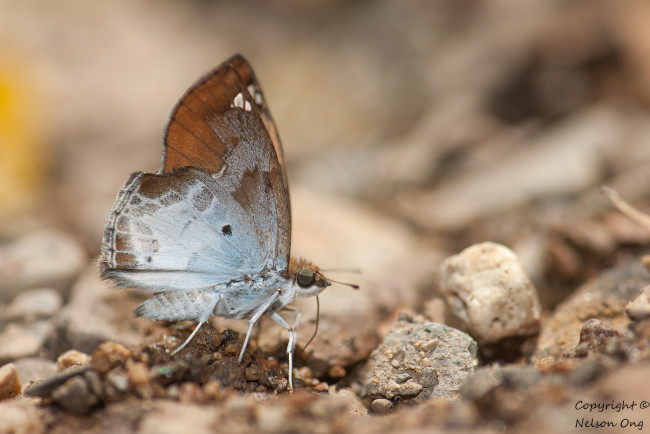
(108, 355)
(381, 405)
(75, 396)
(419, 360)
(597, 337)
(487, 289)
(24, 340)
(34, 304)
(34, 368)
(72, 358)
(639, 308)
(9, 381)
(603, 297)
(40, 258)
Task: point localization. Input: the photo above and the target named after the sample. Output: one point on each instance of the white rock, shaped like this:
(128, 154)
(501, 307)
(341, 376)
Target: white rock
(34, 303)
(34, 368)
(639, 308)
(42, 258)
(24, 340)
(488, 290)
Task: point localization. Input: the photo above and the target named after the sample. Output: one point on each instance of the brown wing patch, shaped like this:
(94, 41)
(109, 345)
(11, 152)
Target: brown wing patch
(189, 139)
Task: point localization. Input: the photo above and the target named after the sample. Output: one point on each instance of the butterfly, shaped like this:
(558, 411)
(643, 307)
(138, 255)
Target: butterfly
(210, 233)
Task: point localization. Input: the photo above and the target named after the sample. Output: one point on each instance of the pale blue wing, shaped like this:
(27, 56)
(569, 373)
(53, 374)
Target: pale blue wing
(186, 230)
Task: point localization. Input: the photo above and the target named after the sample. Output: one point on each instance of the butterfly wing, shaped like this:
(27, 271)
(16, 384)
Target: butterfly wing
(183, 143)
(219, 209)
(248, 77)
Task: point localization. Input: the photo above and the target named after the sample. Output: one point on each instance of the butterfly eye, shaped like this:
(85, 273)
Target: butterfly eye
(305, 277)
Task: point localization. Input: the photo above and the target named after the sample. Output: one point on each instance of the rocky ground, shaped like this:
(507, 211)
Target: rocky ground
(454, 152)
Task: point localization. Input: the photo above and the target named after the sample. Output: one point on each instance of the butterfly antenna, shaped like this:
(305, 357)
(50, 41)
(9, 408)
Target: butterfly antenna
(342, 270)
(315, 330)
(351, 285)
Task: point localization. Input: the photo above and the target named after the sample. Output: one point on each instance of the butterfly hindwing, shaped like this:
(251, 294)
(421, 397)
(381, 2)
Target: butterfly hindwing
(182, 231)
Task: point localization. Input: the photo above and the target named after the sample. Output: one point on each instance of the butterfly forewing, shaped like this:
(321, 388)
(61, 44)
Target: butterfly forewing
(248, 78)
(219, 209)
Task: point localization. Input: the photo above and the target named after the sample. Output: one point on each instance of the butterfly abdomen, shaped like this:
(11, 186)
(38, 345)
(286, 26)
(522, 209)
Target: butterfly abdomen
(179, 306)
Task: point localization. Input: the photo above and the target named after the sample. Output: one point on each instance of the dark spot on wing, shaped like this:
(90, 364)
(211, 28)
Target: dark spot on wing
(226, 230)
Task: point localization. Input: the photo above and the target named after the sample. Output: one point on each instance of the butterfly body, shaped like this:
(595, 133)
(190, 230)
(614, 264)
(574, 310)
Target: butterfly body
(209, 234)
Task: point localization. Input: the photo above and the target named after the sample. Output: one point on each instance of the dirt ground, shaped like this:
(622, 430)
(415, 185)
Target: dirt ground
(411, 131)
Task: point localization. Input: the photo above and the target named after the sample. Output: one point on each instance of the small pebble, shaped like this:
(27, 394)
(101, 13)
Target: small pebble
(72, 358)
(138, 374)
(108, 355)
(74, 396)
(252, 373)
(33, 304)
(381, 405)
(232, 349)
(19, 340)
(639, 308)
(336, 371)
(9, 382)
(35, 368)
(488, 290)
(46, 257)
(322, 387)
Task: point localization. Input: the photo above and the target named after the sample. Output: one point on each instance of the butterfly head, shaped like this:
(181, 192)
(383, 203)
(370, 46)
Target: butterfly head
(307, 279)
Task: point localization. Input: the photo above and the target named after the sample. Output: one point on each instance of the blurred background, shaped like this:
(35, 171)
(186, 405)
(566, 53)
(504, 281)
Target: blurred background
(411, 129)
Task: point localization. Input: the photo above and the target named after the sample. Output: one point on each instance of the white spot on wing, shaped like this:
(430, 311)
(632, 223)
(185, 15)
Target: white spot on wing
(256, 94)
(238, 101)
(241, 103)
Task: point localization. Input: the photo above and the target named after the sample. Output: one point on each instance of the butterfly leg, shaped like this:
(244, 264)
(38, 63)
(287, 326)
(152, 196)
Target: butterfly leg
(296, 322)
(187, 341)
(292, 343)
(251, 322)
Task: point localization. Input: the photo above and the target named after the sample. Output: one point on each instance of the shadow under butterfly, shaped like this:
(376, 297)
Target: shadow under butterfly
(210, 233)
